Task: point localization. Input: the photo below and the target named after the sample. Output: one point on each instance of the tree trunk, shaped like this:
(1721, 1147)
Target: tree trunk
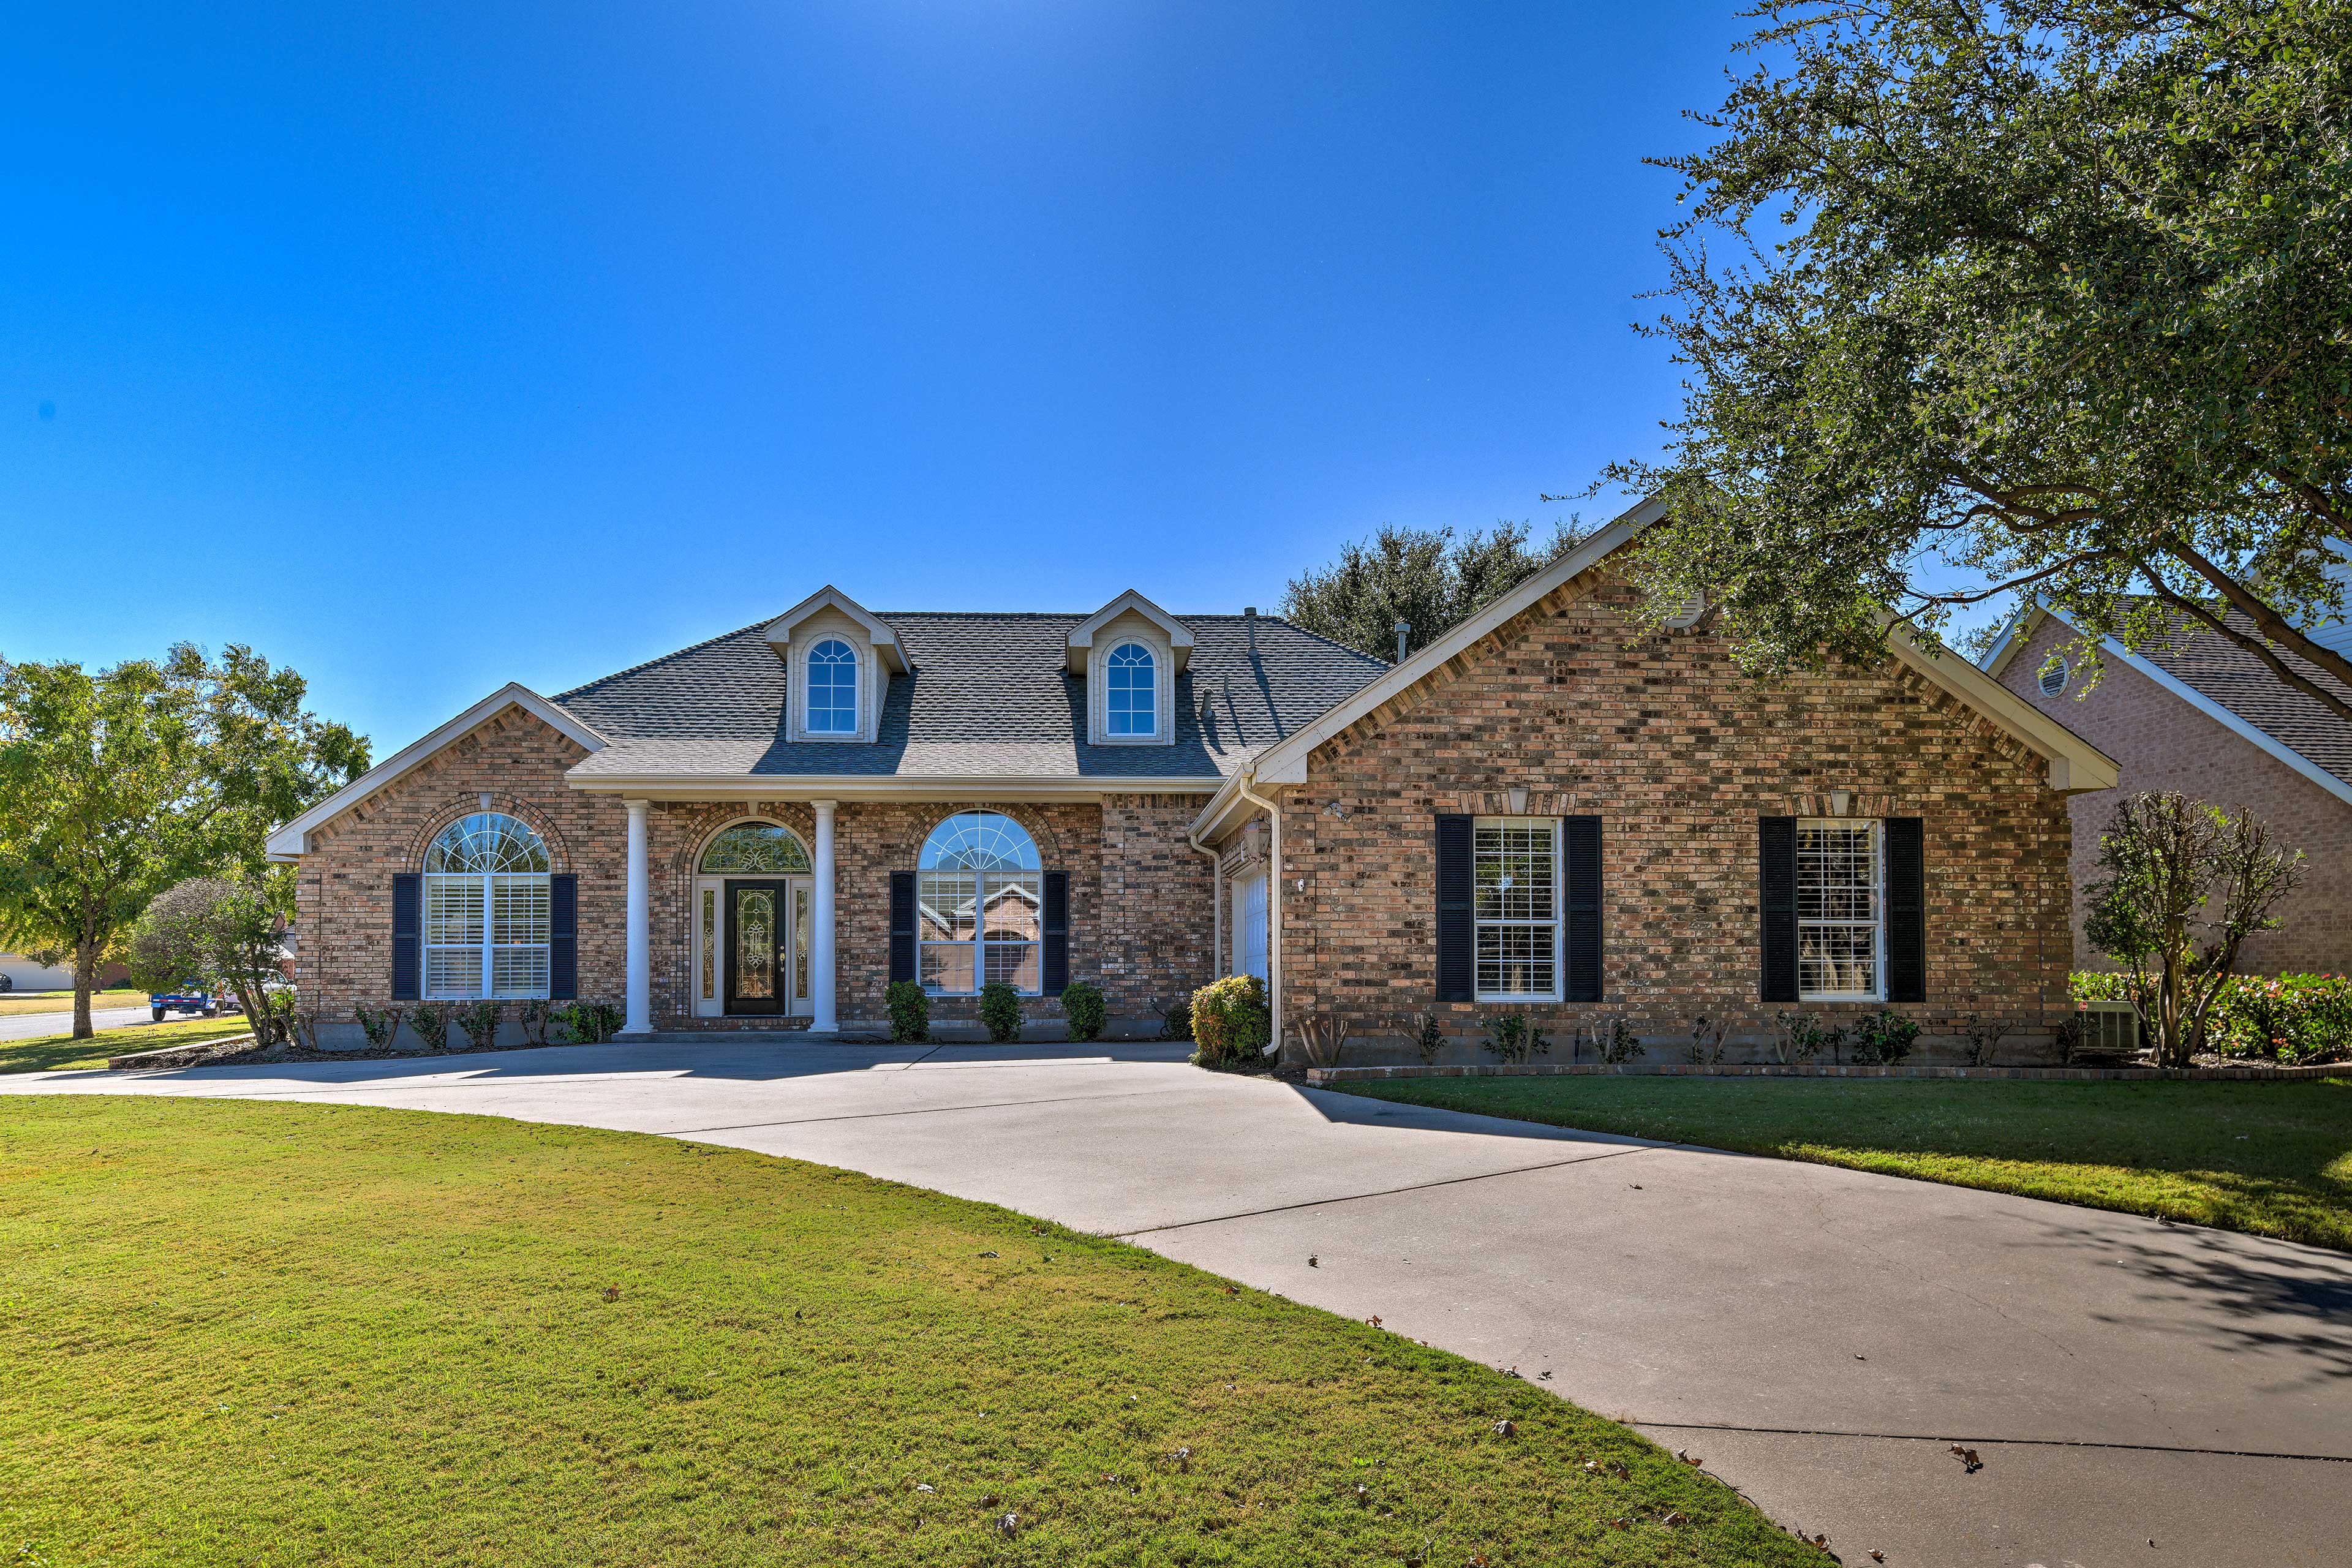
(85, 982)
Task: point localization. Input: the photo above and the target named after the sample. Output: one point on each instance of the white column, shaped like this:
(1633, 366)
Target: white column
(640, 999)
(821, 943)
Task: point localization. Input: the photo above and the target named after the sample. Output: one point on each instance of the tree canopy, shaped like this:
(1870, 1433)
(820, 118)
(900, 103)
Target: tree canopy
(1424, 577)
(115, 785)
(1980, 302)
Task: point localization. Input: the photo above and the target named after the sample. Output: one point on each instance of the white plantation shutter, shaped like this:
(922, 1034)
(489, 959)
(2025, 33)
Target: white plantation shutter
(487, 915)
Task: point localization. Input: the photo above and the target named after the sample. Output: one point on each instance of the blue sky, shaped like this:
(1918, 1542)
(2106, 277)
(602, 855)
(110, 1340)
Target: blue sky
(435, 348)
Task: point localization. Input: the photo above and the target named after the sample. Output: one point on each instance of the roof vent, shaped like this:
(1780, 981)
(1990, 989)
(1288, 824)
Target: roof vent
(1249, 612)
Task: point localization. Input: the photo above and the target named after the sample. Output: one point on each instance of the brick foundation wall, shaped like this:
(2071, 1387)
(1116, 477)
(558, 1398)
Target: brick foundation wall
(2162, 743)
(343, 886)
(1679, 754)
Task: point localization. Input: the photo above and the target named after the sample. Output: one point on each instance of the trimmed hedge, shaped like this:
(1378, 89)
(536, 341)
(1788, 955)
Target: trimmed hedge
(1083, 1005)
(2290, 1019)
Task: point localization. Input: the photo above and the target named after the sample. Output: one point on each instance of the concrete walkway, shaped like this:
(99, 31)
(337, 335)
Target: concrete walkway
(1817, 1336)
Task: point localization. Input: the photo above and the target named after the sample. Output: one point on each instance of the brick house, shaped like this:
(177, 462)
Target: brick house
(1549, 809)
(2205, 717)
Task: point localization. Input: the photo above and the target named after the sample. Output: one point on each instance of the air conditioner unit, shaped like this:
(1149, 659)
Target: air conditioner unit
(2110, 1027)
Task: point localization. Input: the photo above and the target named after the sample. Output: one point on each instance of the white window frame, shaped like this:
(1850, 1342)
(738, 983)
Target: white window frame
(1558, 921)
(1151, 658)
(856, 693)
(1877, 828)
(485, 887)
(980, 880)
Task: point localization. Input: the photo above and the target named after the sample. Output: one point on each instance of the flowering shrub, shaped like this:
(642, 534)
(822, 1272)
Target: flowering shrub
(1230, 1023)
(2287, 1018)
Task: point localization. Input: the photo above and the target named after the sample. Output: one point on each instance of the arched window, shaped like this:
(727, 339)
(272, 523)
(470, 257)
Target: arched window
(755, 849)
(832, 689)
(485, 914)
(979, 891)
(1132, 701)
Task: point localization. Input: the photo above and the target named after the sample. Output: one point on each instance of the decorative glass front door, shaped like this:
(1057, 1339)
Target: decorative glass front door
(755, 947)
(752, 946)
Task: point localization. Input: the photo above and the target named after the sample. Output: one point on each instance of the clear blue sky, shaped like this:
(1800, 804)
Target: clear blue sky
(434, 349)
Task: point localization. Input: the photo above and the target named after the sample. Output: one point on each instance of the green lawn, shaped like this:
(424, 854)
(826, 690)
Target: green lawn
(13, 1003)
(324, 1333)
(2274, 1159)
(51, 1053)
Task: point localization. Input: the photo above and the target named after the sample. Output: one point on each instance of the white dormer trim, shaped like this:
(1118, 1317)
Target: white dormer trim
(293, 840)
(879, 635)
(1082, 635)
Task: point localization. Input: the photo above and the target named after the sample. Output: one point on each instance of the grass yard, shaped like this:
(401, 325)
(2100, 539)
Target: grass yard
(2274, 1158)
(326, 1333)
(14, 1002)
(54, 1053)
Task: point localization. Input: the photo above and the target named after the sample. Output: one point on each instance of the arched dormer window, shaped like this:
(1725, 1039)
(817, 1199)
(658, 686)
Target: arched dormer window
(486, 910)
(832, 689)
(980, 895)
(1131, 700)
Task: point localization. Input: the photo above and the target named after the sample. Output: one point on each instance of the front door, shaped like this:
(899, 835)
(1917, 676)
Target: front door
(758, 979)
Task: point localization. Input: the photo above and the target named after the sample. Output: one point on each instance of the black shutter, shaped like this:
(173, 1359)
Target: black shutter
(1580, 844)
(406, 891)
(902, 926)
(1776, 888)
(563, 937)
(1907, 910)
(1456, 939)
(1057, 932)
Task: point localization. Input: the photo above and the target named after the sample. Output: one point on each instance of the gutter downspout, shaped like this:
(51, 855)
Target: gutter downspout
(1273, 905)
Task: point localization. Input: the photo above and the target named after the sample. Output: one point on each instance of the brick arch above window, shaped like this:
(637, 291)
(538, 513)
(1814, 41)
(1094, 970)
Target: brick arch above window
(560, 858)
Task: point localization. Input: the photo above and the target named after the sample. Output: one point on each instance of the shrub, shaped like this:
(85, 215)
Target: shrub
(590, 1023)
(1884, 1038)
(1083, 1005)
(1801, 1037)
(1514, 1037)
(910, 1010)
(480, 1022)
(2288, 1018)
(1230, 1023)
(1428, 1038)
(379, 1027)
(430, 1020)
(533, 1016)
(1175, 1018)
(999, 1009)
(1614, 1041)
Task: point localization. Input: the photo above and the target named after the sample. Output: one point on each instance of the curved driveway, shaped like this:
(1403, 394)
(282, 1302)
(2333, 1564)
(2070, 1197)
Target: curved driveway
(1817, 1336)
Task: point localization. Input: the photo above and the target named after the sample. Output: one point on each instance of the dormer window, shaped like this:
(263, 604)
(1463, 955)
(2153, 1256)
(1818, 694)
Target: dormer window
(1132, 701)
(832, 689)
(1130, 653)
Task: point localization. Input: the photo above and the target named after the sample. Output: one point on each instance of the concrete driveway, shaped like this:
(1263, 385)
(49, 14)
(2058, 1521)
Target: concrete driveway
(1817, 1336)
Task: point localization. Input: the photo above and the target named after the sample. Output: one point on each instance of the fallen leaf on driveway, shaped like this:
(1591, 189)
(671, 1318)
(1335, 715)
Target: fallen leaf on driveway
(1687, 1457)
(1968, 1457)
(1313, 1261)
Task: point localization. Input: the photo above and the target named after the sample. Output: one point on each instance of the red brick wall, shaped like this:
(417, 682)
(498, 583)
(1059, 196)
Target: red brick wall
(343, 886)
(1679, 754)
(2162, 743)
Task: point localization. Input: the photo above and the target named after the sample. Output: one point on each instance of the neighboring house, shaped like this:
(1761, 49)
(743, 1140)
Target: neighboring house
(2203, 716)
(23, 974)
(1550, 808)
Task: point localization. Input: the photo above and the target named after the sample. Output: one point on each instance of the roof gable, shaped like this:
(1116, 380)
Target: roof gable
(1082, 635)
(293, 840)
(885, 641)
(2074, 762)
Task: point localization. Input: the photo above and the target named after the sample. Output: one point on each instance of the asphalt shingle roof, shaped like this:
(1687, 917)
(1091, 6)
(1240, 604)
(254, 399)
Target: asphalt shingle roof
(2243, 684)
(986, 695)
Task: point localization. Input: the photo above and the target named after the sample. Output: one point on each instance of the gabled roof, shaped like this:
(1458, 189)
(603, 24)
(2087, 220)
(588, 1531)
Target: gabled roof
(294, 838)
(877, 631)
(986, 697)
(2229, 685)
(2074, 762)
(1082, 635)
